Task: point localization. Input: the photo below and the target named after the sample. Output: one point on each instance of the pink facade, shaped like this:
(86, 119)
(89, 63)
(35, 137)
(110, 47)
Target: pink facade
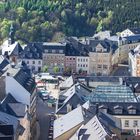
(70, 63)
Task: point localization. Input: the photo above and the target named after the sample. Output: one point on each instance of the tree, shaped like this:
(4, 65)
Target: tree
(56, 69)
(80, 71)
(45, 68)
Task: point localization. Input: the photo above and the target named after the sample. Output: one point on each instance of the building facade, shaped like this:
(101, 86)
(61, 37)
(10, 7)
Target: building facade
(70, 64)
(125, 45)
(82, 64)
(32, 56)
(54, 56)
(100, 60)
(134, 61)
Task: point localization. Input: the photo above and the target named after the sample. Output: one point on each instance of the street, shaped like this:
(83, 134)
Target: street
(43, 118)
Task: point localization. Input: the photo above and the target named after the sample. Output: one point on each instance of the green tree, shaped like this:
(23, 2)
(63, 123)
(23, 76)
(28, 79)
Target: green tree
(45, 68)
(56, 69)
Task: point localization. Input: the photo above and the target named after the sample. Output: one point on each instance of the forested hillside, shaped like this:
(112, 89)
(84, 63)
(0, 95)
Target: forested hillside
(42, 20)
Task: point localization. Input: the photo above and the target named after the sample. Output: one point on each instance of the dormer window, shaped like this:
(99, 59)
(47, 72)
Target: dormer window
(118, 109)
(132, 110)
(103, 108)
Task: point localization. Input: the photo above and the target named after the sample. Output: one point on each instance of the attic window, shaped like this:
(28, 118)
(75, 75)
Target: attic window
(131, 110)
(118, 109)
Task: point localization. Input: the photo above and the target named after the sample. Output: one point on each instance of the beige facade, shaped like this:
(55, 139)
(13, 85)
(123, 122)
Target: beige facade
(100, 61)
(70, 63)
(26, 124)
(52, 59)
(124, 50)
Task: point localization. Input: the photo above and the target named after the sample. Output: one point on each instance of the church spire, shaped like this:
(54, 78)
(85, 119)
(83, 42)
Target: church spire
(11, 35)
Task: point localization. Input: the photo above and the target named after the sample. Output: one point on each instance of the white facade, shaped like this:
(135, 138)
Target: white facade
(130, 122)
(126, 33)
(34, 64)
(17, 91)
(8, 48)
(82, 63)
(134, 62)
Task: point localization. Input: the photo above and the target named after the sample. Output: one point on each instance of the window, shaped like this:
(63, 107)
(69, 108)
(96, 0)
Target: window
(78, 59)
(73, 58)
(83, 65)
(46, 51)
(104, 66)
(27, 62)
(60, 51)
(83, 60)
(126, 123)
(118, 111)
(99, 66)
(70, 58)
(135, 123)
(33, 62)
(39, 62)
(53, 51)
(132, 111)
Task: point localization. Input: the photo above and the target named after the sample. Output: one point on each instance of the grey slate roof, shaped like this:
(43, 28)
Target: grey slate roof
(17, 109)
(68, 121)
(23, 78)
(32, 51)
(10, 106)
(111, 106)
(133, 38)
(73, 96)
(9, 120)
(3, 62)
(135, 30)
(8, 99)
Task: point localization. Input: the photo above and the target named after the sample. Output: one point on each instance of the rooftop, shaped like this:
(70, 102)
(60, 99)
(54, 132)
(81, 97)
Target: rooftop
(136, 52)
(17, 109)
(68, 121)
(9, 120)
(67, 83)
(32, 51)
(113, 93)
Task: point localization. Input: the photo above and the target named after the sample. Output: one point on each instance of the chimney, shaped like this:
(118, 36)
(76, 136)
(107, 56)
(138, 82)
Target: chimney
(97, 109)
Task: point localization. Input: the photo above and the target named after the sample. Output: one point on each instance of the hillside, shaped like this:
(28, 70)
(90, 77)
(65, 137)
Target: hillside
(42, 20)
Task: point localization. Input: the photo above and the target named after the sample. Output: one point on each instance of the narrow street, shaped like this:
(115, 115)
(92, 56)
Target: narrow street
(43, 117)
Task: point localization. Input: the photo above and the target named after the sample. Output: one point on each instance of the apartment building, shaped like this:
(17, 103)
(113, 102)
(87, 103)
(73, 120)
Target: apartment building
(54, 56)
(100, 58)
(32, 56)
(70, 58)
(125, 45)
(130, 32)
(82, 65)
(134, 61)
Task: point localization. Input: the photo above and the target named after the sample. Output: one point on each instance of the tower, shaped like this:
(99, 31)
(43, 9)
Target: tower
(11, 35)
